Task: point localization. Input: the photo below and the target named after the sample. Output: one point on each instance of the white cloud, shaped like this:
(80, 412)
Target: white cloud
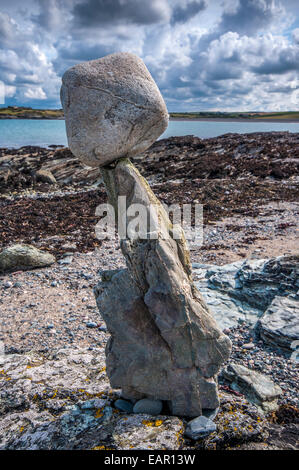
(225, 54)
(295, 34)
(36, 93)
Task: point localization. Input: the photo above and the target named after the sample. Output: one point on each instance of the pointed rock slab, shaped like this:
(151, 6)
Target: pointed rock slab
(112, 107)
(165, 343)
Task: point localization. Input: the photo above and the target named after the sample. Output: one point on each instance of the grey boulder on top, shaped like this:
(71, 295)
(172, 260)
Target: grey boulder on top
(113, 108)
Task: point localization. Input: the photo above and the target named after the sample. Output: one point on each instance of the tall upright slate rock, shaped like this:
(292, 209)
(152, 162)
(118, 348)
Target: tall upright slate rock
(165, 343)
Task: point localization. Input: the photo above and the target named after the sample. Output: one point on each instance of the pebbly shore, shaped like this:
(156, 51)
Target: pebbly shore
(248, 185)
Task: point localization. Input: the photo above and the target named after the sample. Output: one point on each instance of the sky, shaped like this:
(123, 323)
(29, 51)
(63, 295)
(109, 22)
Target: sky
(216, 55)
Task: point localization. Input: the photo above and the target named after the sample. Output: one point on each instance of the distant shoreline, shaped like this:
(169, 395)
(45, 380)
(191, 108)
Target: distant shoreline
(21, 112)
(281, 121)
(203, 119)
(32, 118)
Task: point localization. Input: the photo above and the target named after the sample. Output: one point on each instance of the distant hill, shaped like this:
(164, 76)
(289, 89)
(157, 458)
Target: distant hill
(16, 112)
(21, 112)
(287, 115)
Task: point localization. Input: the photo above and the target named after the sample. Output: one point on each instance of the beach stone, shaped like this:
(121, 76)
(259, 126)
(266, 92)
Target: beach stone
(258, 388)
(8, 284)
(200, 427)
(24, 257)
(112, 107)
(211, 414)
(91, 324)
(150, 407)
(45, 176)
(279, 325)
(67, 259)
(124, 405)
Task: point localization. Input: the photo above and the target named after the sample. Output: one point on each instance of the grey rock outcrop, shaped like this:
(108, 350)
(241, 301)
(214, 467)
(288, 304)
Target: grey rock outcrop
(165, 343)
(242, 291)
(238, 421)
(257, 387)
(24, 257)
(112, 107)
(279, 325)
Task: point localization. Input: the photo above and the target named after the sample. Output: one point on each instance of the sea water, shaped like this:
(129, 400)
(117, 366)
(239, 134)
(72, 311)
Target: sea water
(43, 132)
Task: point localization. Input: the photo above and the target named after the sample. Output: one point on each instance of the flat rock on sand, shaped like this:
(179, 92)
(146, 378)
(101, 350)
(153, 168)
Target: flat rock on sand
(24, 257)
(112, 107)
(257, 388)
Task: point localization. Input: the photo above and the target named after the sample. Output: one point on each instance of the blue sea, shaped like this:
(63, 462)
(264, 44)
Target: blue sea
(19, 132)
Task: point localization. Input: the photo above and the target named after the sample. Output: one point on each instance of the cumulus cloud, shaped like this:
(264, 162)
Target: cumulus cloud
(251, 16)
(6, 29)
(295, 35)
(50, 16)
(232, 54)
(35, 93)
(92, 13)
(184, 12)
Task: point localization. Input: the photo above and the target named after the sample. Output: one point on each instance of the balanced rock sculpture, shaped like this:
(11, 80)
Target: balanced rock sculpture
(164, 343)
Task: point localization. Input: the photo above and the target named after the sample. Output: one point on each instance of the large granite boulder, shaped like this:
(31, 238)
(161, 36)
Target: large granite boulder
(62, 401)
(112, 108)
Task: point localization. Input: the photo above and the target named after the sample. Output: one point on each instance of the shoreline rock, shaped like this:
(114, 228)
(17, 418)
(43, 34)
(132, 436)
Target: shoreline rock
(257, 387)
(261, 292)
(23, 257)
(62, 400)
